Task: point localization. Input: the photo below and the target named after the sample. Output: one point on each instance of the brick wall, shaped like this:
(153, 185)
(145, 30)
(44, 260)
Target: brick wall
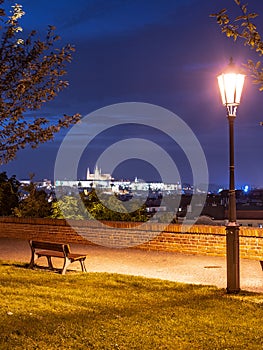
(198, 239)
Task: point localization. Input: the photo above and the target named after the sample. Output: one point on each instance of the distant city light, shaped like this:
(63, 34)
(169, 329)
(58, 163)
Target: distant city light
(246, 188)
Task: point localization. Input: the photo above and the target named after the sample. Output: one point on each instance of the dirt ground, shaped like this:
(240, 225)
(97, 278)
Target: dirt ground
(186, 268)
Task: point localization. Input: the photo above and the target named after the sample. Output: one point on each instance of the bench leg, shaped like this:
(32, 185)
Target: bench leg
(82, 264)
(66, 264)
(32, 261)
(50, 265)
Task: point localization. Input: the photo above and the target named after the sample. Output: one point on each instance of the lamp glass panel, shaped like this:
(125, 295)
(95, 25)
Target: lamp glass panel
(239, 86)
(230, 87)
(220, 80)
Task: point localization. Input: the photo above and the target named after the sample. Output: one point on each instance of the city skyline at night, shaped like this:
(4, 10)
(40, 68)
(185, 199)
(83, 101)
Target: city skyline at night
(165, 54)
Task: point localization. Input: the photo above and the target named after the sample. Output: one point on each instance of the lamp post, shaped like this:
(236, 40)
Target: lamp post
(231, 83)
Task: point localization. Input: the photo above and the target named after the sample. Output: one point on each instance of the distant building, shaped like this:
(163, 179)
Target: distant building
(98, 175)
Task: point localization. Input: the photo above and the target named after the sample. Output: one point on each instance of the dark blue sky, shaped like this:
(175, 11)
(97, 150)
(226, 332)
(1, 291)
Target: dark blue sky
(164, 52)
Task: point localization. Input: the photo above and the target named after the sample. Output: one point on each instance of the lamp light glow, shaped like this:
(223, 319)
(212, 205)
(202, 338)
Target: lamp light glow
(231, 84)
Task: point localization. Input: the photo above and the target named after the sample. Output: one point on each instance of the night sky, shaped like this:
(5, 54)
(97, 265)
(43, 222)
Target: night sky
(162, 52)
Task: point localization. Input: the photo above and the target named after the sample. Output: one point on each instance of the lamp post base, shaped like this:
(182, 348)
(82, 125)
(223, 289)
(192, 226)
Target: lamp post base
(232, 255)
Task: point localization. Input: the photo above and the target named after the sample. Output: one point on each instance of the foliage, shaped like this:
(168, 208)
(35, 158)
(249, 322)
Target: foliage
(111, 208)
(28, 201)
(68, 207)
(90, 206)
(41, 310)
(9, 196)
(31, 72)
(34, 203)
(244, 28)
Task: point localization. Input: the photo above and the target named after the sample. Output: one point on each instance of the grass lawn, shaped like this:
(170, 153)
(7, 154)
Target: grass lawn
(44, 310)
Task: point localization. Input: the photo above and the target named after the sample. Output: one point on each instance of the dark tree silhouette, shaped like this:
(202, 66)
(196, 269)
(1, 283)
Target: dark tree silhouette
(243, 27)
(31, 72)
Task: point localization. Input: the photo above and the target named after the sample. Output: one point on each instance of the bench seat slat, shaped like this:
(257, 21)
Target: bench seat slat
(48, 245)
(56, 254)
(53, 253)
(76, 256)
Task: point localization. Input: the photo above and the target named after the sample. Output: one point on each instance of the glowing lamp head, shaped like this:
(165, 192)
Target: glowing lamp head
(231, 83)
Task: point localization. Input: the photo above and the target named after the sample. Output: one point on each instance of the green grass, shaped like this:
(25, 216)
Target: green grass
(44, 310)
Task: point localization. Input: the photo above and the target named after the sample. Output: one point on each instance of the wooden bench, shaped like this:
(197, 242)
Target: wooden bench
(56, 250)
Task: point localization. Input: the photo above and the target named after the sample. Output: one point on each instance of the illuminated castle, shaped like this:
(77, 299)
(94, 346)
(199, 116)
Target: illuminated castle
(98, 175)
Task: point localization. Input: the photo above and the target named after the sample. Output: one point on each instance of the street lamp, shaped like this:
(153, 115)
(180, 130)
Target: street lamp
(231, 83)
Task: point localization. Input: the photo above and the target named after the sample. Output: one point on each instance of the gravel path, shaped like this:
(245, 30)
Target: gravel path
(197, 269)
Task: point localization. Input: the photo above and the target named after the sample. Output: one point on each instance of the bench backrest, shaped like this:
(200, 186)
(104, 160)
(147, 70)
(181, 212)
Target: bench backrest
(58, 247)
